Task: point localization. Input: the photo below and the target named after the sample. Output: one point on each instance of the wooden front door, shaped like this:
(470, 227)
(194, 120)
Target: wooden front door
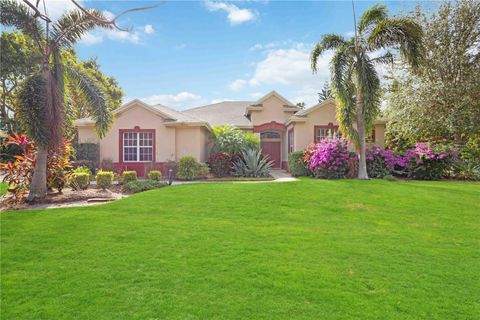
(272, 148)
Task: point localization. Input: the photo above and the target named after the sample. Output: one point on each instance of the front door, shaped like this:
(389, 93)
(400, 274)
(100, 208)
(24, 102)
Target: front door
(272, 148)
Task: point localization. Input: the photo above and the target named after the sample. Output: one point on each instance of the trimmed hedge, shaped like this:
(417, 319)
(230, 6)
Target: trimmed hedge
(104, 179)
(190, 169)
(128, 176)
(139, 186)
(80, 180)
(296, 165)
(154, 175)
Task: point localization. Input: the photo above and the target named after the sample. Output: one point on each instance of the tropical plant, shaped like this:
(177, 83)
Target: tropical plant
(221, 164)
(355, 82)
(41, 98)
(252, 164)
(231, 140)
(79, 180)
(190, 169)
(329, 158)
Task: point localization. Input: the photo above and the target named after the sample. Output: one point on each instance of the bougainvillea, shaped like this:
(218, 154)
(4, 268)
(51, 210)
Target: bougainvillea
(426, 163)
(329, 158)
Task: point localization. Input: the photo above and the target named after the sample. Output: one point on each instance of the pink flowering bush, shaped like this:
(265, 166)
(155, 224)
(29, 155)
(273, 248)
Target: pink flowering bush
(426, 163)
(329, 158)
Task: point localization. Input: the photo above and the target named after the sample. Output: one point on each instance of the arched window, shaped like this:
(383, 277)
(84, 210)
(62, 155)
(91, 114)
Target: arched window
(269, 135)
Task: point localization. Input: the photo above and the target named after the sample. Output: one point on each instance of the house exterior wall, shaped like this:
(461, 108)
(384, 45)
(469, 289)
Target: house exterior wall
(87, 134)
(272, 110)
(191, 141)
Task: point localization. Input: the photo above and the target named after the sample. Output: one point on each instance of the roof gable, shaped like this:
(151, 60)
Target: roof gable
(273, 94)
(136, 102)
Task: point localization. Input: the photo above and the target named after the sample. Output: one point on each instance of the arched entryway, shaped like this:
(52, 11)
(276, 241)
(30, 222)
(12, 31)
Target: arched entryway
(271, 144)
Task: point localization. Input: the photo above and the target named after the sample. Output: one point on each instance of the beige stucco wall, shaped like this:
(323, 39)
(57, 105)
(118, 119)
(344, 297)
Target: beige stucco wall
(380, 135)
(87, 135)
(191, 141)
(272, 110)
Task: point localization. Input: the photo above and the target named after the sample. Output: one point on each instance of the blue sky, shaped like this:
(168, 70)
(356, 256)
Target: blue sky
(186, 54)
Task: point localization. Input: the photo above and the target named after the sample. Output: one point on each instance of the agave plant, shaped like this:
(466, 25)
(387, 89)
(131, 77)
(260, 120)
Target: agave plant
(42, 98)
(252, 164)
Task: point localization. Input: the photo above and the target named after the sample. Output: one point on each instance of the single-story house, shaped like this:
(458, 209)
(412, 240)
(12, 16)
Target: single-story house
(143, 135)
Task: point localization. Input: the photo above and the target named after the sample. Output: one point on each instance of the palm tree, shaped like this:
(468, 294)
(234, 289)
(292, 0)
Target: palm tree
(42, 97)
(355, 81)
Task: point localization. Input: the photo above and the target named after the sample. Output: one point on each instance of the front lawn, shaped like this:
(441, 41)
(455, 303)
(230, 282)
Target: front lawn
(313, 249)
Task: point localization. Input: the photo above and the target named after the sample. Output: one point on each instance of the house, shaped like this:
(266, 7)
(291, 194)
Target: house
(146, 135)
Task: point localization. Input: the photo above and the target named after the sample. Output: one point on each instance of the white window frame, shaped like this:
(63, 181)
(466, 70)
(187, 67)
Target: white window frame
(290, 140)
(137, 146)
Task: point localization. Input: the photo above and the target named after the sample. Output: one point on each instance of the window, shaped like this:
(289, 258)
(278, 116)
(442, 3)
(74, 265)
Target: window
(137, 146)
(326, 131)
(269, 135)
(290, 140)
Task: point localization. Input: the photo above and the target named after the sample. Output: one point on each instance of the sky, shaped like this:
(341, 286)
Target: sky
(191, 53)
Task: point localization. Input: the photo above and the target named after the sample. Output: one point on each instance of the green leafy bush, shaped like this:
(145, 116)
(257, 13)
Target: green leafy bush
(296, 165)
(128, 176)
(79, 180)
(104, 179)
(139, 186)
(203, 171)
(252, 164)
(154, 175)
(232, 140)
(188, 168)
(87, 152)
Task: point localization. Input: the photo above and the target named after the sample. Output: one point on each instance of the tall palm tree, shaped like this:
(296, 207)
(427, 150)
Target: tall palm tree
(355, 82)
(42, 97)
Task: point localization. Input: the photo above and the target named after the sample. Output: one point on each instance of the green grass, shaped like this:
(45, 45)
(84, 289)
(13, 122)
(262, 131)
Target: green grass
(3, 188)
(301, 250)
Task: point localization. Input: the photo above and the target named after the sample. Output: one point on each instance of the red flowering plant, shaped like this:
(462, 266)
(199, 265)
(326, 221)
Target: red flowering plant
(18, 173)
(329, 158)
(221, 164)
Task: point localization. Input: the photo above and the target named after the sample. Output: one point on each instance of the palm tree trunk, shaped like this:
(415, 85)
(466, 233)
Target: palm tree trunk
(362, 163)
(38, 187)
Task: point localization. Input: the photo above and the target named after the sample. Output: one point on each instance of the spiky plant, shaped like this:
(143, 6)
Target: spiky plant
(355, 82)
(41, 100)
(252, 164)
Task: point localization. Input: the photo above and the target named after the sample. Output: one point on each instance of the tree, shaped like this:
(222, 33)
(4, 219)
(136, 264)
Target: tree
(19, 58)
(440, 101)
(41, 99)
(326, 92)
(355, 82)
(301, 105)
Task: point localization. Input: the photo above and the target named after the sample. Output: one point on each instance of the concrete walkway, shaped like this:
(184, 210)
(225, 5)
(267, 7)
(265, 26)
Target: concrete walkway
(282, 176)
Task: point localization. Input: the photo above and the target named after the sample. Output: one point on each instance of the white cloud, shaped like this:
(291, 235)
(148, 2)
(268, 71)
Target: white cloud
(238, 84)
(148, 29)
(235, 15)
(91, 39)
(179, 101)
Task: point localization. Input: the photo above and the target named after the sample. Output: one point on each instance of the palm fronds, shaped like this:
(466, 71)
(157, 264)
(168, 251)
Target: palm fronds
(97, 101)
(329, 41)
(372, 16)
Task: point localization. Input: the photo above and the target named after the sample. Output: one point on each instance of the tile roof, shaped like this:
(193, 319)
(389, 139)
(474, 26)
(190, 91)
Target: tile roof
(222, 113)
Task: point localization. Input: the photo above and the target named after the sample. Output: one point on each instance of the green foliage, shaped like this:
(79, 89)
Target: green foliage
(79, 180)
(139, 186)
(252, 164)
(325, 93)
(31, 109)
(190, 169)
(104, 179)
(19, 58)
(128, 176)
(154, 175)
(231, 140)
(389, 177)
(203, 171)
(439, 101)
(296, 165)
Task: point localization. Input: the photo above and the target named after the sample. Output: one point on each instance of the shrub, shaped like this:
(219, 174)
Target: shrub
(425, 163)
(104, 179)
(252, 164)
(171, 168)
(380, 162)
(107, 165)
(85, 163)
(128, 176)
(221, 164)
(203, 171)
(389, 177)
(188, 168)
(154, 175)
(296, 165)
(79, 180)
(329, 158)
(139, 186)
